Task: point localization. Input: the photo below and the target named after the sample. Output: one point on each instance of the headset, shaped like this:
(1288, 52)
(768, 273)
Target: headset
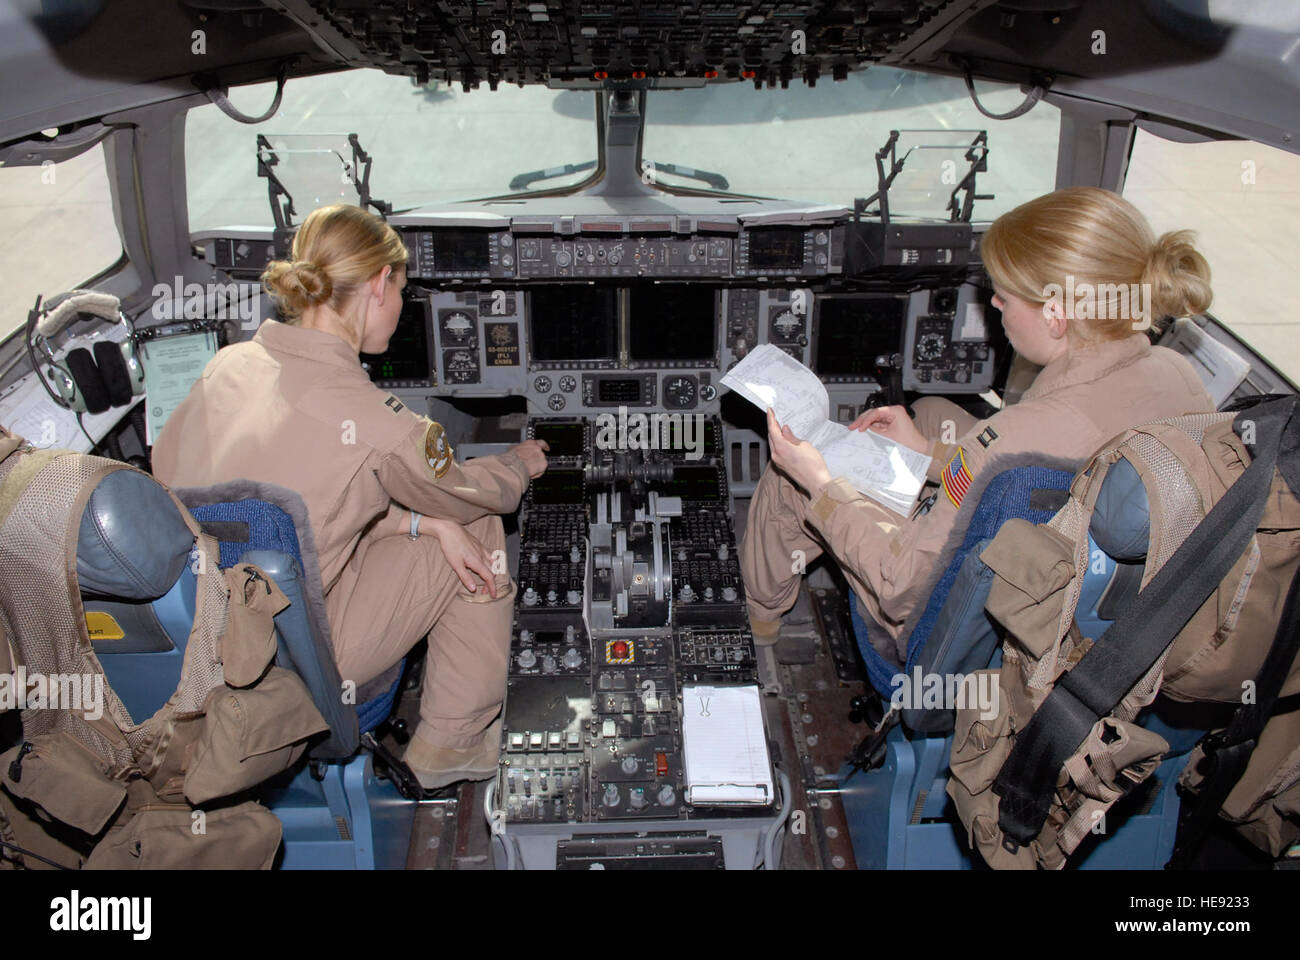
(84, 383)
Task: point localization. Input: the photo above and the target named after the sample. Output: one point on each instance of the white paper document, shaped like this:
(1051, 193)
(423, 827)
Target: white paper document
(171, 365)
(27, 410)
(724, 745)
(878, 467)
(1219, 368)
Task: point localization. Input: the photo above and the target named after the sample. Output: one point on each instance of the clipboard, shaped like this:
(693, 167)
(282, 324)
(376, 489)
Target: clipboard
(725, 746)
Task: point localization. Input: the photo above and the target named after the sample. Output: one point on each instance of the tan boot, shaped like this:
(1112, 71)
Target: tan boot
(436, 766)
(766, 632)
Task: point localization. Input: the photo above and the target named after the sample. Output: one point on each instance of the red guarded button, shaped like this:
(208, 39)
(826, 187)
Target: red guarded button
(661, 764)
(619, 650)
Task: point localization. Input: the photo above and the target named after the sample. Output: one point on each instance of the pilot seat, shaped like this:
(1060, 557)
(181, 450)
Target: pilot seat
(336, 812)
(894, 794)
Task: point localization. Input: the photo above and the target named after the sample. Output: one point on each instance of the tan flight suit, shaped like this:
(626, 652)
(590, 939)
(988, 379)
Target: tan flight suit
(294, 407)
(1075, 404)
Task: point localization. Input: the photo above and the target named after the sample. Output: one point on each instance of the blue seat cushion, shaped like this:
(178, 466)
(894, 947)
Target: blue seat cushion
(953, 631)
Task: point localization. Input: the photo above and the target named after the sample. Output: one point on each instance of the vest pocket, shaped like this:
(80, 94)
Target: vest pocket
(165, 836)
(1033, 566)
(250, 735)
(64, 779)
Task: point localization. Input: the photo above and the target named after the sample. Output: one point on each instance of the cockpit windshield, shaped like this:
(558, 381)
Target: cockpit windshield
(819, 145)
(434, 143)
(431, 143)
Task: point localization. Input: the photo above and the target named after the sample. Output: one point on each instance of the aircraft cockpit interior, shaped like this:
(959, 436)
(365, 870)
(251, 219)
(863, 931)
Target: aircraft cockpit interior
(629, 230)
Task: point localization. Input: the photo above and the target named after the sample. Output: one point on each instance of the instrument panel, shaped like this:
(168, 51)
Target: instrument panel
(579, 314)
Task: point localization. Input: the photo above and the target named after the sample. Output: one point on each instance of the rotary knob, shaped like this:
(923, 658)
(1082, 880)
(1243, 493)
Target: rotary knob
(629, 765)
(612, 798)
(534, 556)
(572, 598)
(530, 597)
(575, 555)
(686, 594)
(723, 551)
(667, 796)
(548, 664)
(562, 258)
(526, 659)
(729, 594)
(572, 659)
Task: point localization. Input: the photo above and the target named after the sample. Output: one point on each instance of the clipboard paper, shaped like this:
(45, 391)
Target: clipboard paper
(725, 748)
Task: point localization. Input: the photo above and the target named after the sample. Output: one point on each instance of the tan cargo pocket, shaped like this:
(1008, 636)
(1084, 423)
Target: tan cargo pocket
(63, 778)
(1033, 565)
(174, 837)
(981, 744)
(250, 735)
(1114, 747)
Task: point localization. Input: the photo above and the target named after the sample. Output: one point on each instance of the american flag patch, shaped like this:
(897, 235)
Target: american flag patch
(956, 478)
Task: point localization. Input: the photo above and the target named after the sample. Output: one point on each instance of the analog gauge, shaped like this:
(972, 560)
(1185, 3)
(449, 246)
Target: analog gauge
(930, 346)
(556, 401)
(542, 384)
(568, 384)
(679, 392)
(786, 324)
(458, 326)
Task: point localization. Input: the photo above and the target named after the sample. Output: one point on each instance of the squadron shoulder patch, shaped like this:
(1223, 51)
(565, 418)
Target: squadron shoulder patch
(437, 451)
(956, 478)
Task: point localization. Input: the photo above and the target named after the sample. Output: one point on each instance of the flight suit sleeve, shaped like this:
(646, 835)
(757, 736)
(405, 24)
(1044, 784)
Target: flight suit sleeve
(895, 554)
(421, 473)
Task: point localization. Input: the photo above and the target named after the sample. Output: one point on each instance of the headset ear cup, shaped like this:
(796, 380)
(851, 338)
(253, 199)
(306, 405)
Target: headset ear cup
(114, 373)
(66, 388)
(89, 382)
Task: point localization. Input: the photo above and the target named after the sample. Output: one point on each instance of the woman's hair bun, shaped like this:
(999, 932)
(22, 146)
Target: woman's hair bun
(296, 285)
(1179, 276)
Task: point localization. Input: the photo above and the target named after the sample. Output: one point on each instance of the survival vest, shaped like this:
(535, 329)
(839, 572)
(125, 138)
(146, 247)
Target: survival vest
(80, 790)
(1223, 549)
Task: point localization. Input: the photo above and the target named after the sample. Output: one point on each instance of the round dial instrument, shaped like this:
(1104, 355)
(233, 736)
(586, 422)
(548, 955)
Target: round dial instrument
(679, 392)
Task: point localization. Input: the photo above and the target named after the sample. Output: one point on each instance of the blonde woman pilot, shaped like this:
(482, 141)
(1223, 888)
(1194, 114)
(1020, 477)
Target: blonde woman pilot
(410, 541)
(1100, 375)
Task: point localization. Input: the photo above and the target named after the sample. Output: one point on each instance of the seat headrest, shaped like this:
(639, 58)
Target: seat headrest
(1121, 520)
(133, 542)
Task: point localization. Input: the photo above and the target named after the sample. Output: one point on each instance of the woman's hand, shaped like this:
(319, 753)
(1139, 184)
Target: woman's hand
(466, 555)
(798, 459)
(894, 423)
(533, 454)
